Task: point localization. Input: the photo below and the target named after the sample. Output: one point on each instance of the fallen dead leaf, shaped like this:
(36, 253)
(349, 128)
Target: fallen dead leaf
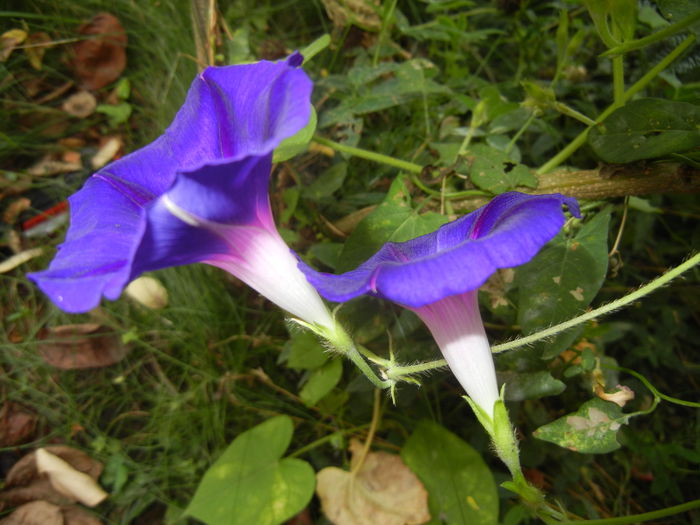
(35, 513)
(14, 209)
(23, 482)
(81, 104)
(383, 491)
(16, 260)
(49, 166)
(78, 346)
(69, 481)
(45, 513)
(101, 58)
(106, 152)
(16, 425)
(73, 515)
(149, 292)
(35, 48)
(9, 40)
(363, 13)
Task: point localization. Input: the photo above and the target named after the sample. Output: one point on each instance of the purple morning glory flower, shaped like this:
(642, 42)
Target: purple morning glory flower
(198, 193)
(437, 276)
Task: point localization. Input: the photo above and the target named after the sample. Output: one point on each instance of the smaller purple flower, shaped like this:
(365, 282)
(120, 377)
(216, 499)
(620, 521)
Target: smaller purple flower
(437, 276)
(198, 193)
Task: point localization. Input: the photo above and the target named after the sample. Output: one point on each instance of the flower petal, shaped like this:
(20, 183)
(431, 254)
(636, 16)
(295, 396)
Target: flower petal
(189, 222)
(230, 114)
(456, 325)
(457, 257)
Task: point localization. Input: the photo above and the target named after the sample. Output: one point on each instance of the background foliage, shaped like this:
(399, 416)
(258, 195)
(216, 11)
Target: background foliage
(473, 98)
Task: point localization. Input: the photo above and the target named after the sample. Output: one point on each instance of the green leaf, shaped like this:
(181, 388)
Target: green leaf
(677, 10)
(249, 483)
(305, 351)
(328, 182)
(530, 385)
(321, 382)
(460, 486)
(592, 429)
(297, 143)
(645, 129)
(393, 220)
(117, 113)
(562, 280)
(493, 170)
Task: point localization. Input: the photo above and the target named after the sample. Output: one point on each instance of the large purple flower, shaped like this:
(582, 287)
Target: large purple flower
(198, 193)
(437, 276)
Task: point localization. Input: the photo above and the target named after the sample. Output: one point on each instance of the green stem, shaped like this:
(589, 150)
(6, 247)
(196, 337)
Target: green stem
(646, 516)
(603, 310)
(522, 129)
(634, 89)
(571, 112)
(395, 372)
(352, 353)
(655, 37)
(370, 155)
(653, 389)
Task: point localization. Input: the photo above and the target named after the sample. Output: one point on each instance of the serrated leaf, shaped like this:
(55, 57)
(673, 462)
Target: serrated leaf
(493, 170)
(249, 483)
(460, 486)
(393, 220)
(321, 382)
(562, 280)
(645, 129)
(592, 429)
(297, 143)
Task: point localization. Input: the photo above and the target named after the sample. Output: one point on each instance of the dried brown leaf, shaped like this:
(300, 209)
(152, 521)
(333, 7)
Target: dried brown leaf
(79, 346)
(20, 258)
(81, 104)
(100, 59)
(73, 515)
(49, 166)
(16, 425)
(384, 491)
(25, 470)
(362, 13)
(9, 40)
(69, 481)
(35, 48)
(35, 513)
(14, 209)
(148, 291)
(107, 151)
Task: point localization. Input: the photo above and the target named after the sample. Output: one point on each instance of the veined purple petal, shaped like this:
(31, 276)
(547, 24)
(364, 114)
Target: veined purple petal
(456, 258)
(230, 123)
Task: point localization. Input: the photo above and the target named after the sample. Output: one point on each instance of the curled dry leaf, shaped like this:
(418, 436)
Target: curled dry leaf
(35, 513)
(24, 483)
(49, 166)
(101, 58)
(45, 513)
(35, 48)
(383, 491)
(149, 292)
(106, 152)
(78, 346)
(81, 104)
(11, 213)
(69, 481)
(362, 13)
(9, 40)
(16, 425)
(17, 259)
